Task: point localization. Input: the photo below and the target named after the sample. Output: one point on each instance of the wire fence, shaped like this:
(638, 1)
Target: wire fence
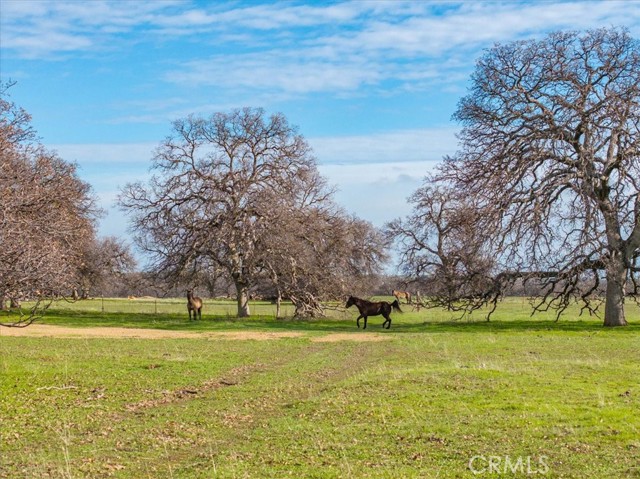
(160, 306)
(178, 306)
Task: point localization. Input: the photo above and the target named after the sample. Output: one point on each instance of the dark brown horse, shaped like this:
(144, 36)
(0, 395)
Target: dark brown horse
(194, 304)
(367, 308)
(402, 294)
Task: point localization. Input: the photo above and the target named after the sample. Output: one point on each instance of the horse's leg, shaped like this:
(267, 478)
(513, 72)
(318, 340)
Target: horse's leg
(387, 320)
(200, 312)
(358, 321)
(365, 323)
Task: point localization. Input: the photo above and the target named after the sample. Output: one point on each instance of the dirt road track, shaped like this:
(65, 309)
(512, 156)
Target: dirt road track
(46, 330)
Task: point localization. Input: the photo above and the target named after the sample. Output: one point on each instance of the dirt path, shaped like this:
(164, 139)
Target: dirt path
(361, 337)
(46, 330)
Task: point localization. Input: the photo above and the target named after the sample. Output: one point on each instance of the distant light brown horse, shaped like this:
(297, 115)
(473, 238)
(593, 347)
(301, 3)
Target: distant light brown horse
(402, 294)
(194, 304)
(367, 308)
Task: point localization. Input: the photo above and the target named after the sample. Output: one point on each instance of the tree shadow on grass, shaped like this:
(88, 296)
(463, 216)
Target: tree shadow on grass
(498, 326)
(179, 322)
(400, 326)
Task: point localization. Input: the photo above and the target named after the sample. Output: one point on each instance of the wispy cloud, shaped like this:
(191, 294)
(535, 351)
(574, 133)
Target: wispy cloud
(106, 153)
(480, 23)
(378, 191)
(272, 52)
(393, 28)
(46, 29)
(43, 28)
(266, 17)
(407, 146)
(278, 71)
(385, 48)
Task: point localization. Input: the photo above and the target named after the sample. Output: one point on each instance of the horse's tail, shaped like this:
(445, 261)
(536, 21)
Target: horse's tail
(396, 305)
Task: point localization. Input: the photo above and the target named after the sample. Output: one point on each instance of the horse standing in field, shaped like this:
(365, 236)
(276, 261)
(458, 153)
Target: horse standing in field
(194, 304)
(402, 294)
(367, 308)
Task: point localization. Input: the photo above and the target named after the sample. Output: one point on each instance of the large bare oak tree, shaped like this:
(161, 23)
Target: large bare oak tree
(228, 194)
(550, 154)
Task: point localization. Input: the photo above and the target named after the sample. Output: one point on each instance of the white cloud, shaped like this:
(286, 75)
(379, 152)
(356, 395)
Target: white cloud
(286, 51)
(375, 174)
(43, 29)
(400, 146)
(373, 47)
(107, 153)
(395, 147)
(392, 29)
(264, 17)
(377, 192)
(294, 73)
(370, 175)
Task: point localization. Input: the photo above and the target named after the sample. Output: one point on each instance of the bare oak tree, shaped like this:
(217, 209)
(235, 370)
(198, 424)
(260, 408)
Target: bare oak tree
(550, 152)
(221, 185)
(46, 215)
(442, 251)
(317, 254)
(103, 260)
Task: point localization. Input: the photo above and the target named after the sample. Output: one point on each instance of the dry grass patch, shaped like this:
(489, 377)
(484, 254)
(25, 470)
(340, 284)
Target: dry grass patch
(46, 330)
(359, 337)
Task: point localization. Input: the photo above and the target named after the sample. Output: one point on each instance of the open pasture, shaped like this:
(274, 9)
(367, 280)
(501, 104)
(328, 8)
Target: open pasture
(259, 397)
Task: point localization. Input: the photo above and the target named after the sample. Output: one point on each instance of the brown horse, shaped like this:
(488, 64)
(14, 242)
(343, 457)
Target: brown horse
(402, 294)
(367, 308)
(194, 304)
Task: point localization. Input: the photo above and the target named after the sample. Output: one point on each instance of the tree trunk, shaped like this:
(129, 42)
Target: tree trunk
(242, 293)
(614, 301)
(278, 303)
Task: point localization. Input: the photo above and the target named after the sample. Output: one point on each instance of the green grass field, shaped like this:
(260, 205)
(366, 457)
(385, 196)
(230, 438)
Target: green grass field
(432, 397)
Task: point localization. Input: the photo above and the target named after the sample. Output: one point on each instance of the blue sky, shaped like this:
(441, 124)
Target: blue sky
(371, 85)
